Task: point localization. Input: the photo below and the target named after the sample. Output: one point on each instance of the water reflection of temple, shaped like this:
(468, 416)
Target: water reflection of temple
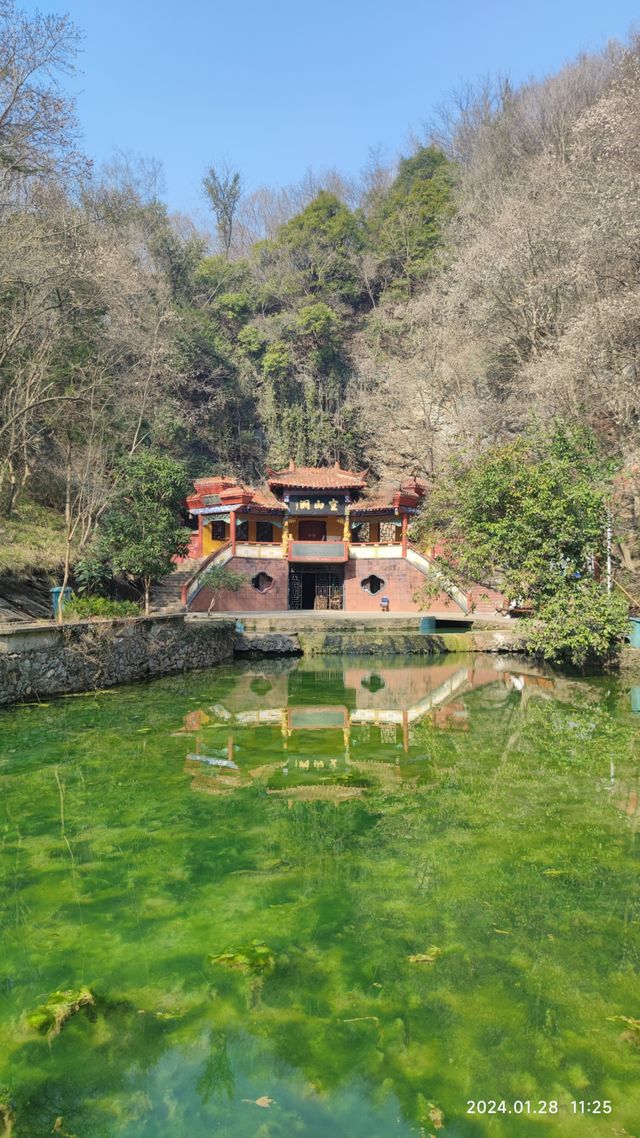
(328, 732)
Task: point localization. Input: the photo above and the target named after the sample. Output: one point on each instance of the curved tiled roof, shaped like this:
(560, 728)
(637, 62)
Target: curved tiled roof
(316, 478)
(264, 499)
(372, 506)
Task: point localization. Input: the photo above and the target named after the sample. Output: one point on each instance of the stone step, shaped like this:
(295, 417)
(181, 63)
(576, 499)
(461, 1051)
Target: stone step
(322, 622)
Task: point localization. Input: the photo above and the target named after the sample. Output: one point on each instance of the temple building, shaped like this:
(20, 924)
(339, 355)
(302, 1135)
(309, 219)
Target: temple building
(312, 538)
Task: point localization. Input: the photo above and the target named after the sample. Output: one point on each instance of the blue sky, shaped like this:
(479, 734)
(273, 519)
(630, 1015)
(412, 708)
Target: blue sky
(275, 88)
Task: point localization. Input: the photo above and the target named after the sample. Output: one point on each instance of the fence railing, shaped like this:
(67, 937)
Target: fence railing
(376, 549)
(268, 550)
(634, 600)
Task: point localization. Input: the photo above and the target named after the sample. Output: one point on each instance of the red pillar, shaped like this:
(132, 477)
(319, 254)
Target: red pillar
(200, 533)
(233, 532)
(405, 523)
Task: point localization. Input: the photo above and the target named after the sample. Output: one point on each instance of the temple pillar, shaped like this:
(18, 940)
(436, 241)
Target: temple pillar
(233, 533)
(405, 524)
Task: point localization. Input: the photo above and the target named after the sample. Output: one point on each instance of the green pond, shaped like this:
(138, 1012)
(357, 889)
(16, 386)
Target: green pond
(322, 898)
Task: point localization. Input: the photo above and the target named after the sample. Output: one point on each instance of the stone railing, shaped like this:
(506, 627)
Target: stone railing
(414, 557)
(360, 550)
(271, 551)
(194, 584)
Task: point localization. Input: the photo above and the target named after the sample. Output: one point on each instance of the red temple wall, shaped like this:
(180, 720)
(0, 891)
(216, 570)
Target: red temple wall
(401, 581)
(248, 599)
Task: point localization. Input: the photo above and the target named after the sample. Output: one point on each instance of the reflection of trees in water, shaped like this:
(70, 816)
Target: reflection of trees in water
(373, 683)
(508, 858)
(85, 1085)
(217, 1077)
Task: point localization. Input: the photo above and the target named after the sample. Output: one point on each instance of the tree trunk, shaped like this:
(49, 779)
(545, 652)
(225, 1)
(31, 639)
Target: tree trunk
(69, 528)
(147, 586)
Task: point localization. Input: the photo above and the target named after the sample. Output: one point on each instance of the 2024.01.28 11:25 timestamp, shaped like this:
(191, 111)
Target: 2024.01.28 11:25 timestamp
(542, 1106)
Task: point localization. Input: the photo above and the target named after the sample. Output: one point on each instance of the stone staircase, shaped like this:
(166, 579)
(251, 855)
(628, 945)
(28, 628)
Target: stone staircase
(166, 594)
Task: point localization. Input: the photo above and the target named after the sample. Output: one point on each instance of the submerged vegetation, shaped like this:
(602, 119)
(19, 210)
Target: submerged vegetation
(276, 964)
(50, 1018)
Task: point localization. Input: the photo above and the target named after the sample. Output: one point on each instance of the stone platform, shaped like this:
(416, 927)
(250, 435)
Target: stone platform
(308, 621)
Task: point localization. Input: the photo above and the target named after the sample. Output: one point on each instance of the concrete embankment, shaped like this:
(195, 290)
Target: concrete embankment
(330, 643)
(41, 660)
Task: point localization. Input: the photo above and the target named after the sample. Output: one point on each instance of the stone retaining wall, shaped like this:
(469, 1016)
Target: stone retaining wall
(42, 660)
(332, 643)
(409, 643)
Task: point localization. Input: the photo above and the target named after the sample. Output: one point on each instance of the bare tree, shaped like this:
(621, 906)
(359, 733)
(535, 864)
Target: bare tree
(37, 121)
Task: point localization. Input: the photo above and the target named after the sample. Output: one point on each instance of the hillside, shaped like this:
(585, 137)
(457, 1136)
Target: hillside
(425, 311)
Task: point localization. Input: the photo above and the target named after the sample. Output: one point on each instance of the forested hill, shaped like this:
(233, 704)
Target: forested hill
(428, 307)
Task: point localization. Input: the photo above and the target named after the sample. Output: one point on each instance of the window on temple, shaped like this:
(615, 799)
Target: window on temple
(262, 582)
(242, 529)
(372, 584)
(264, 531)
(388, 531)
(360, 531)
(218, 531)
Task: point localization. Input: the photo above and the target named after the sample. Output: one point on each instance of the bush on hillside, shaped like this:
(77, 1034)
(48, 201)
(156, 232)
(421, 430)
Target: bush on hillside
(83, 608)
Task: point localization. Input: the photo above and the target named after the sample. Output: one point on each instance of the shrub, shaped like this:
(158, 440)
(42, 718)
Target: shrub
(581, 624)
(81, 608)
(93, 575)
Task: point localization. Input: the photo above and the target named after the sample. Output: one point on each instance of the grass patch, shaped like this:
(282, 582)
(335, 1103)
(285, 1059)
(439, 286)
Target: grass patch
(82, 608)
(33, 538)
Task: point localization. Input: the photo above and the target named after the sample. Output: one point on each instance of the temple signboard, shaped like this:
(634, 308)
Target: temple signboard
(317, 504)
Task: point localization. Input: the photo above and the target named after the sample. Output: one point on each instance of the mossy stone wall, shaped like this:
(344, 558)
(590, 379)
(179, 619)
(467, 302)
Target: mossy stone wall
(44, 660)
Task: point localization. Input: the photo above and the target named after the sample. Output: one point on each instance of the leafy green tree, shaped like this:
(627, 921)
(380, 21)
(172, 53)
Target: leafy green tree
(277, 360)
(320, 246)
(406, 227)
(141, 532)
(93, 575)
(582, 625)
(319, 330)
(224, 189)
(532, 511)
(531, 515)
(219, 579)
(178, 259)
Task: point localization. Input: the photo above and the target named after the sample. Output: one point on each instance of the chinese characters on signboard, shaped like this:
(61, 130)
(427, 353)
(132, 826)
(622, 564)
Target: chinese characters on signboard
(318, 505)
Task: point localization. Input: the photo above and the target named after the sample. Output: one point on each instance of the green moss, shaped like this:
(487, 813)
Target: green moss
(255, 957)
(49, 1018)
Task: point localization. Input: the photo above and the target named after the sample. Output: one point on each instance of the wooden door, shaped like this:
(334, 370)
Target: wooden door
(312, 529)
